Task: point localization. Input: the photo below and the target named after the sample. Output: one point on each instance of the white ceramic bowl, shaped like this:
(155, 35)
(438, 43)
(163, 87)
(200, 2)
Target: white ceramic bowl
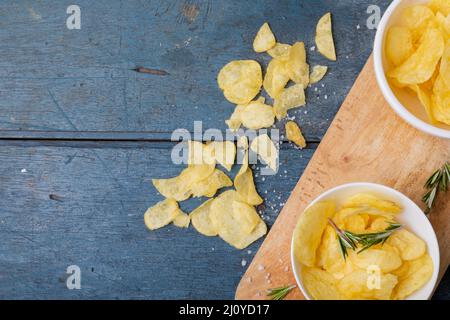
(411, 217)
(404, 102)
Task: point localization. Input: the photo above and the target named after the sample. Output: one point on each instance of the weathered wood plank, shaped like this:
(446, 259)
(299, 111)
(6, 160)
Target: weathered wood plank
(55, 79)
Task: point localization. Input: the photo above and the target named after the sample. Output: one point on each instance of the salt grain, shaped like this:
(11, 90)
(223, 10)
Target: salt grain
(24, 171)
(243, 262)
(260, 267)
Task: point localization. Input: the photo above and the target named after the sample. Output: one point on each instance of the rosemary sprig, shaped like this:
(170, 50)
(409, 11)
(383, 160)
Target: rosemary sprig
(280, 293)
(439, 181)
(350, 240)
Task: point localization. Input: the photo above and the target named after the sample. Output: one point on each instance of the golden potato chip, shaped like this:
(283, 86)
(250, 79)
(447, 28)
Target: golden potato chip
(385, 257)
(378, 225)
(445, 64)
(317, 74)
(408, 244)
(425, 99)
(245, 186)
(229, 228)
(320, 284)
(355, 223)
(328, 252)
(289, 98)
(369, 200)
(208, 187)
(444, 23)
(281, 51)
(276, 77)
(355, 286)
(224, 153)
(416, 18)
(264, 40)
(200, 154)
(161, 214)
(242, 143)
(234, 123)
(246, 215)
(264, 147)
(296, 66)
(181, 220)
(399, 45)
(324, 37)
(309, 229)
(343, 213)
(419, 67)
(201, 219)
(441, 100)
(418, 273)
(257, 115)
(240, 80)
(442, 6)
(294, 134)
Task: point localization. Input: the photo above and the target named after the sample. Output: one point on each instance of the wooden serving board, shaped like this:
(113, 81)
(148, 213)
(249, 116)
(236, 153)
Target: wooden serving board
(366, 142)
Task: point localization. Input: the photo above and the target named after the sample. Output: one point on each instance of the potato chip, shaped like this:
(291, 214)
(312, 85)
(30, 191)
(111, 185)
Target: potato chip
(408, 244)
(161, 214)
(200, 154)
(257, 115)
(243, 143)
(329, 255)
(224, 153)
(441, 100)
(399, 45)
(309, 229)
(424, 97)
(281, 51)
(246, 215)
(418, 273)
(264, 40)
(378, 225)
(445, 64)
(201, 220)
(386, 258)
(442, 6)
(369, 200)
(264, 147)
(343, 213)
(324, 37)
(276, 77)
(320, 284)
(208, 187)
(229, 224)
(240, 80)
(416, 18)
(245, 186)
(317, 74)
(355, 286)
(297, 68)
(294, 134)
(355, 223)
(234, 123)
(419, 67)
(181, 220)
(444, 23)
(289, 98)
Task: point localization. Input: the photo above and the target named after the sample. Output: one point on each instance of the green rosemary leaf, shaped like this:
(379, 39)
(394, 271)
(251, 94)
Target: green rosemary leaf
(280, 293)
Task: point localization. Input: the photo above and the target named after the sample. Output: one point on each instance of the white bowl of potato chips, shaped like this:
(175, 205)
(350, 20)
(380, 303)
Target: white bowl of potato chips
(412, 63)
(364, 241)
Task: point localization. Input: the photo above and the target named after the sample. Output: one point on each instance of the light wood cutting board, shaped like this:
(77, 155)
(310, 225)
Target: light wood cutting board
(366, 142)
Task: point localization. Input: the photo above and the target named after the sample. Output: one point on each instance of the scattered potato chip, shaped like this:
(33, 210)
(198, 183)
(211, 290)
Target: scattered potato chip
(408, 244)
(246, 215)
(320, 284)
(297, 68)
(161, 214)
(264, 40)
(386, 258)
(208, 187)
(201, 219)
(224, 153)
(416, 18)
(309, 229)
(324, 37)
(229, 224)
(289, 98)
(276, 77)
(257, 115)
(234, 123)
(419, 67)
(243, 143)
(181, 220)
(317, 74)
(294, 134)
(281, 52)
(240, 80)
(245, 186)
(418, 273)
(264, 147)
(399, 45)
(354, 285)
(200, 154)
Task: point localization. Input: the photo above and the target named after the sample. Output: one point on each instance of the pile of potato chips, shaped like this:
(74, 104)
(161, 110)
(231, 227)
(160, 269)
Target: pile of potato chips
(403, 261)
(232, 215)
(418, 48)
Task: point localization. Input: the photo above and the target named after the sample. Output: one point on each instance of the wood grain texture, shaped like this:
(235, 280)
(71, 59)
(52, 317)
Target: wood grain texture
(366, 142)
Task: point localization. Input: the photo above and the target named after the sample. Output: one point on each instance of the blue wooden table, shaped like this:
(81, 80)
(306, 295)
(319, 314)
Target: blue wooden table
(82, 134)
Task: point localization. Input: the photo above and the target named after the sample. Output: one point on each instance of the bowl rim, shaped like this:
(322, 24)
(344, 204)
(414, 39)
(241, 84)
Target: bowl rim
(386, 90)
(434, 241)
